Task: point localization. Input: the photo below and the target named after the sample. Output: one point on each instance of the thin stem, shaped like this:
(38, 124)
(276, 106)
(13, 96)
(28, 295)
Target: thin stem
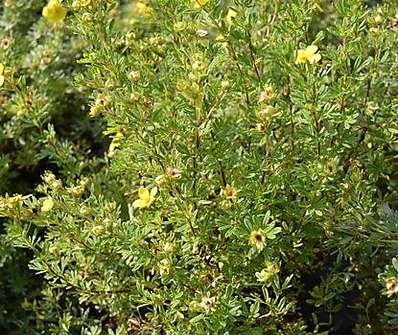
(252, 56)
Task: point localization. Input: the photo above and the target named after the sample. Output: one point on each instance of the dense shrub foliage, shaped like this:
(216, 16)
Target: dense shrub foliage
(198, 167)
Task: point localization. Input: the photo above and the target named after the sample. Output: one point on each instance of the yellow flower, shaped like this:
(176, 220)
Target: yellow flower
(142, 9)
(179, 26)
(117, 139)
(80, 3)
(231, 15)
(199, 3)
(223, 40)
(2, 78)
(99, 105)
(329, 167)
(257, 239)
(229, 192)
(54, 12)
(198, 66)
(5, 43)
(392, 286)
(208, 304)
(225, 85)
(146, 198)
(164, 267)
(12, 202)
(47, 205)
(220, 38)
(261, 126)
(134, 75)
(271, 269)
(309, 55)
(378, 19)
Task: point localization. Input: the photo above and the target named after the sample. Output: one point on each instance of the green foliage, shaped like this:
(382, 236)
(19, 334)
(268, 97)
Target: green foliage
(43, 126)
(252, 149)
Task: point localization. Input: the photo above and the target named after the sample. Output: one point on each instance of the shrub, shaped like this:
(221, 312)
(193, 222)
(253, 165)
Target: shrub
(249, 183)
(43, 127)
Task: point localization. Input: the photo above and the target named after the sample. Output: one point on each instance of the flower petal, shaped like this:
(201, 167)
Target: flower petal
(199, 3)
(143, 193)
(301, 57)
(310, 50)
(154, 191)
(231, 16)
(138, 203)
(314, 58)
(47, 205)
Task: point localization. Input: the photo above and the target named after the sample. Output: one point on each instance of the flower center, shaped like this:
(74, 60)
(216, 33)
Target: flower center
(258, 238)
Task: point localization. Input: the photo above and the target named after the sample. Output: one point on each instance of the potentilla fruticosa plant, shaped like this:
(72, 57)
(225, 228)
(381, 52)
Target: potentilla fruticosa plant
(252, 153)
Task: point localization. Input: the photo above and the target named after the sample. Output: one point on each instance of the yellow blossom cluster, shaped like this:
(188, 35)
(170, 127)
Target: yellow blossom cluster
(78, 190)
(50, 179)
(146, 197)
(308, 55)
(13, 202)
(54, 12)
(10, 206)
(271, 268)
